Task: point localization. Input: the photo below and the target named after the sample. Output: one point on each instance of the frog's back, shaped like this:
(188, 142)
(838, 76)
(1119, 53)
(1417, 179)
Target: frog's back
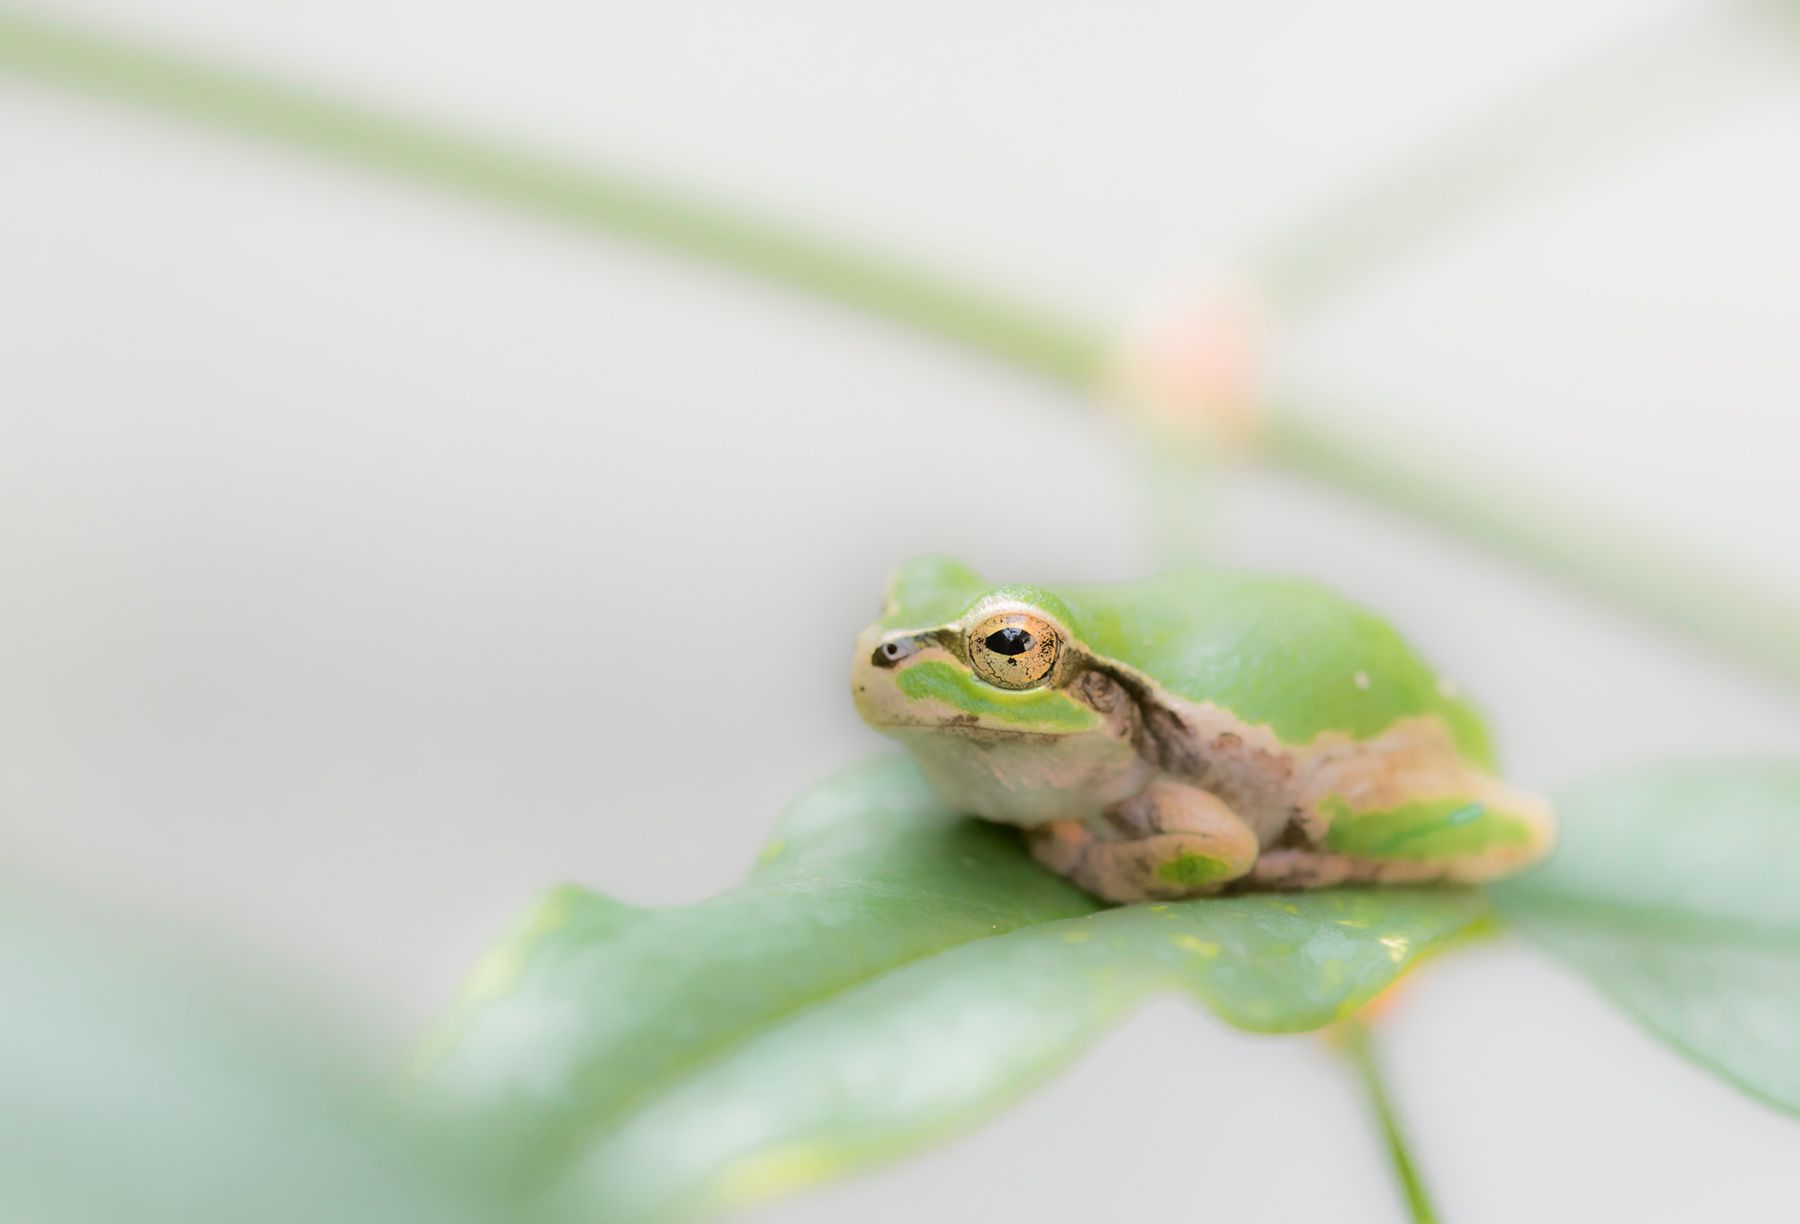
(1281, 652)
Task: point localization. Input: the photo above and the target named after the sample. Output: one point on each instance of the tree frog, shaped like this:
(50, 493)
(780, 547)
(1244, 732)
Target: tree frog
(1192, 733)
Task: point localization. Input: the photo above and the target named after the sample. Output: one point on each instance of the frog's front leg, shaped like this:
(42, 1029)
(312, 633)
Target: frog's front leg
(1170, 840)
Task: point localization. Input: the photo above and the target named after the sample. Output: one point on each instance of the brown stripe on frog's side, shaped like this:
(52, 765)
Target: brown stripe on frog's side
(1282, 790)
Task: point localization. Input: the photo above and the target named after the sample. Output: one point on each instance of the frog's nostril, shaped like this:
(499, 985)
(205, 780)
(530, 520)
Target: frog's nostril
(889, 653)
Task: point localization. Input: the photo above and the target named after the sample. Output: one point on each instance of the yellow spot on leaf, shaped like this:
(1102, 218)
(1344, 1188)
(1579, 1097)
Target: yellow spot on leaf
(498, 971)
(775, 1172)
(1077, 936)
(1201, 947)
(1361, 680)
(772, 851)
(1355, 924)
(494, 975)
(1397, 947)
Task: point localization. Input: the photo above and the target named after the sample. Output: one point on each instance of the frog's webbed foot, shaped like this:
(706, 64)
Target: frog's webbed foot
(1170, 840)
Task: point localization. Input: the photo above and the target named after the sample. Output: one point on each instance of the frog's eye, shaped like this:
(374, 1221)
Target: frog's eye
(1013, 650)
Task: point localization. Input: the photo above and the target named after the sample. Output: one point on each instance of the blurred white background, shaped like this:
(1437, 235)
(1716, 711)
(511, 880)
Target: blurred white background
(372, 553)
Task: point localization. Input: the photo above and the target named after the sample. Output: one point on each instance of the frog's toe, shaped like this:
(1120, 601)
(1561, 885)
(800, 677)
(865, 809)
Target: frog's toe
(1292, 870)
(1158, 867)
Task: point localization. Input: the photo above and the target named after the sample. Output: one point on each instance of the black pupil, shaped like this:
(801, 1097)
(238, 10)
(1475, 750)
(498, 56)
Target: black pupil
(1009, 641)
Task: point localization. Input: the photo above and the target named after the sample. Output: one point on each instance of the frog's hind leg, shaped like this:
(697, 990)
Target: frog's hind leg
(1289, 870)
(1477, 831)
(1170, 840)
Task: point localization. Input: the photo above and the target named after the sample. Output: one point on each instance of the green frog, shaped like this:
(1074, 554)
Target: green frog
(1197, 732)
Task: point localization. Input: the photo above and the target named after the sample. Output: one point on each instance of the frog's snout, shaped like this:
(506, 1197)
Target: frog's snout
(880, 662)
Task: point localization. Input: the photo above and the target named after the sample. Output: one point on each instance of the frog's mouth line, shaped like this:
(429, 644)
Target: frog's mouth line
(966, 726)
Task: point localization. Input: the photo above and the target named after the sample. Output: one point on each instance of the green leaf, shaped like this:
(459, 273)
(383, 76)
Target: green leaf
(889, 972)
(143, 1086)
(1678, 894)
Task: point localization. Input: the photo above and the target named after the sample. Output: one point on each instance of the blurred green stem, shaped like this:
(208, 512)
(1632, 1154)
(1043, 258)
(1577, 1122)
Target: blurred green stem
(1751, 624)
(582, 197)
(1511, 517)
(1607, 103)
(1353, 1036)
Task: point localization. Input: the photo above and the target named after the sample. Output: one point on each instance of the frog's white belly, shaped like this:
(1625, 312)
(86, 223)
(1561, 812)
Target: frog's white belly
(1025, 779)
